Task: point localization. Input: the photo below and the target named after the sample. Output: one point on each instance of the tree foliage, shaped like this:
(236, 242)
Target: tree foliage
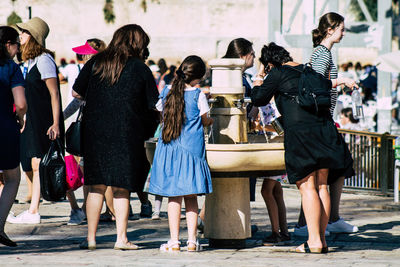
(372, 6)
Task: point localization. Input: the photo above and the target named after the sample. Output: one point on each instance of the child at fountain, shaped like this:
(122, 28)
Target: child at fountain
(180, 169)
(271, 189)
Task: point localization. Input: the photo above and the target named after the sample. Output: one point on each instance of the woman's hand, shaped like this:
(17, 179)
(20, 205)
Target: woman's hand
(21, 122)
(347, 82)
(53, 132)
(260, 76)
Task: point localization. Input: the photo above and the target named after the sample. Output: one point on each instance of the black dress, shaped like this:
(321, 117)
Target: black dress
(311, 141)
(34, 139)
(117, 119)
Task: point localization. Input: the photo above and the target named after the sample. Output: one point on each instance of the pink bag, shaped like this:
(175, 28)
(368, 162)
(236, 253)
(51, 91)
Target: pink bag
(74, 173)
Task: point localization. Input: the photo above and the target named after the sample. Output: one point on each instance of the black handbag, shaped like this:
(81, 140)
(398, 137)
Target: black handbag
(52, 173)
(73, 142)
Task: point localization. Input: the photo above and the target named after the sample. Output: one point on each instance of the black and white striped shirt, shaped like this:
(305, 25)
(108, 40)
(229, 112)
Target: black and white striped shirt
(321, 61)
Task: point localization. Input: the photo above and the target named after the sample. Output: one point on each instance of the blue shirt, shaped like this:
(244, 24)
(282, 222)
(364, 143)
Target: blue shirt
(10, 77)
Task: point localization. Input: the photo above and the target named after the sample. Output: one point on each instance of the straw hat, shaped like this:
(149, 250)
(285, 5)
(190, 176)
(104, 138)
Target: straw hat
(38, 29)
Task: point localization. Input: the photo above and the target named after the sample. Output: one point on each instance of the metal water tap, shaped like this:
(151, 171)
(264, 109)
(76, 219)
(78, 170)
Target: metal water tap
(242, 102)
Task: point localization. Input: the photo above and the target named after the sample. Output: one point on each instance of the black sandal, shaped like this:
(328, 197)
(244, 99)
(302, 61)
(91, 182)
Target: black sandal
(307, 249)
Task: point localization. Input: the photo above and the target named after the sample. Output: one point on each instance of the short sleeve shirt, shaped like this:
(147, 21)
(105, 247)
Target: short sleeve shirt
(202, 102)
(45, 64)
(10, 77)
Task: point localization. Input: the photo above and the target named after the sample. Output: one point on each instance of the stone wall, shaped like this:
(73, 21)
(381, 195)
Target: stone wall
(177, 27)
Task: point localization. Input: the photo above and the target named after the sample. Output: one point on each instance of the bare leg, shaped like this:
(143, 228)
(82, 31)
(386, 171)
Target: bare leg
(109, 195)
(312, 208)
(94, 205)
(34, 206)
(29, 182)
(335, 191)
(85, 195)
(203, 211)
(174, 216)
(322, 178)
(157, 203)
(272, 207)
(192, 210)
(72, 200)
(278, 195)
(11, 179)
(121, 200)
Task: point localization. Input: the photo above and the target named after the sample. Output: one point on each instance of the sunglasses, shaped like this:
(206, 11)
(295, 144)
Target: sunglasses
(16, 42)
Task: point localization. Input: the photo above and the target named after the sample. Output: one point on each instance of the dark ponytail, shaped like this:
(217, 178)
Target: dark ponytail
(192, 68)
(329, 20)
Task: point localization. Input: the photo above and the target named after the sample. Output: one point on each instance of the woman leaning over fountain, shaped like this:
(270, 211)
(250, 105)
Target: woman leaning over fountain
(313, 146)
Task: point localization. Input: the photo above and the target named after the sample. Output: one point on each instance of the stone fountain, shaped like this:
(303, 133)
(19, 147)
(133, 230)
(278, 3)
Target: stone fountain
(232, 160)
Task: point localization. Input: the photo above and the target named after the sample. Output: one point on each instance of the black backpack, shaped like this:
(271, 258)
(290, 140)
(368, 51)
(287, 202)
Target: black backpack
(314, 90)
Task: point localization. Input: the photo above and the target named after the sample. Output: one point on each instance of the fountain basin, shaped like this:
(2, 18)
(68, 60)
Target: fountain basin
(245, 157)
(238, 158)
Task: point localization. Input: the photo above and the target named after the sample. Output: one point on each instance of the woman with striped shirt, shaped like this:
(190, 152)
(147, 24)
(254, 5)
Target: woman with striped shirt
(330, 31)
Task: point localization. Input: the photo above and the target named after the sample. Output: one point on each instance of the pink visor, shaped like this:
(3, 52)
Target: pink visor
(85, 49)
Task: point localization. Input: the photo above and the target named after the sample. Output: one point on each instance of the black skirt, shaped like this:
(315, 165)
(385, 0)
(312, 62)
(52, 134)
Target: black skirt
(316, 146)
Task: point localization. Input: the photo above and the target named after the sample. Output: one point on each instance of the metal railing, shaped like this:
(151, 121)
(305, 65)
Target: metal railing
(373, 156)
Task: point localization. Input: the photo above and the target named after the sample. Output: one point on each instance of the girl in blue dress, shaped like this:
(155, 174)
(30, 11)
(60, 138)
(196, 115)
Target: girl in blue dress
(180, 170)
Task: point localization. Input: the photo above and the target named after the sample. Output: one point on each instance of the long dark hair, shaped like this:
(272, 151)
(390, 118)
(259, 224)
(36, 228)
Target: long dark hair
(192, 68)
(238, 47)
(329, 20)
(128, 41)
(7, 34)
(274, 54)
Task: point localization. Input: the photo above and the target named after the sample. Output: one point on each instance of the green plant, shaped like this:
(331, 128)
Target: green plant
(13, 18)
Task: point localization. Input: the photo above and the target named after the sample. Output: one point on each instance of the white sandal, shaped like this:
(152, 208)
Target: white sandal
(170, 246)
(197, 247)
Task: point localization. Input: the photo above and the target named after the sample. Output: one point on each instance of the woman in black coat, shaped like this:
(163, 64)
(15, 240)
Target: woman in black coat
(120, 94)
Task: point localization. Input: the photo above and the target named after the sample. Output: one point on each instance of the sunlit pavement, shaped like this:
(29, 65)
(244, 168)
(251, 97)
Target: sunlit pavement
(54, 243)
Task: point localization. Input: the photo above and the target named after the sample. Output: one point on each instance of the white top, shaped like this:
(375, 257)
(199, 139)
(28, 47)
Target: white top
(202, 102)
(71, 72)
(45, 64)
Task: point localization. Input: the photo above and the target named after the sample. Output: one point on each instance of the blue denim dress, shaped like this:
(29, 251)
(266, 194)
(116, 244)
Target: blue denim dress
(180, 167)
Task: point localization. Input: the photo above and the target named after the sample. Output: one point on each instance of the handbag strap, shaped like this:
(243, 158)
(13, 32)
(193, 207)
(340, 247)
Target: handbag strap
(79, 117)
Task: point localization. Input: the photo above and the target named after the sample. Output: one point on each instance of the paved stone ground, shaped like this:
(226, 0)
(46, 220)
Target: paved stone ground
(54, 243)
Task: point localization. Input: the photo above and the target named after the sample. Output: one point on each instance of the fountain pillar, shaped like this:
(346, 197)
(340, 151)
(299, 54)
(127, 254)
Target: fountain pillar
(227, 211)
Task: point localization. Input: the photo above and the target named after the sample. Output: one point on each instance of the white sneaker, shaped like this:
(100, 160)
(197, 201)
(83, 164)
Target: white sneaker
(155, 216)
(25, 217)
(77, 217)
(10, 216)
(303, 231)
(340, 226)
